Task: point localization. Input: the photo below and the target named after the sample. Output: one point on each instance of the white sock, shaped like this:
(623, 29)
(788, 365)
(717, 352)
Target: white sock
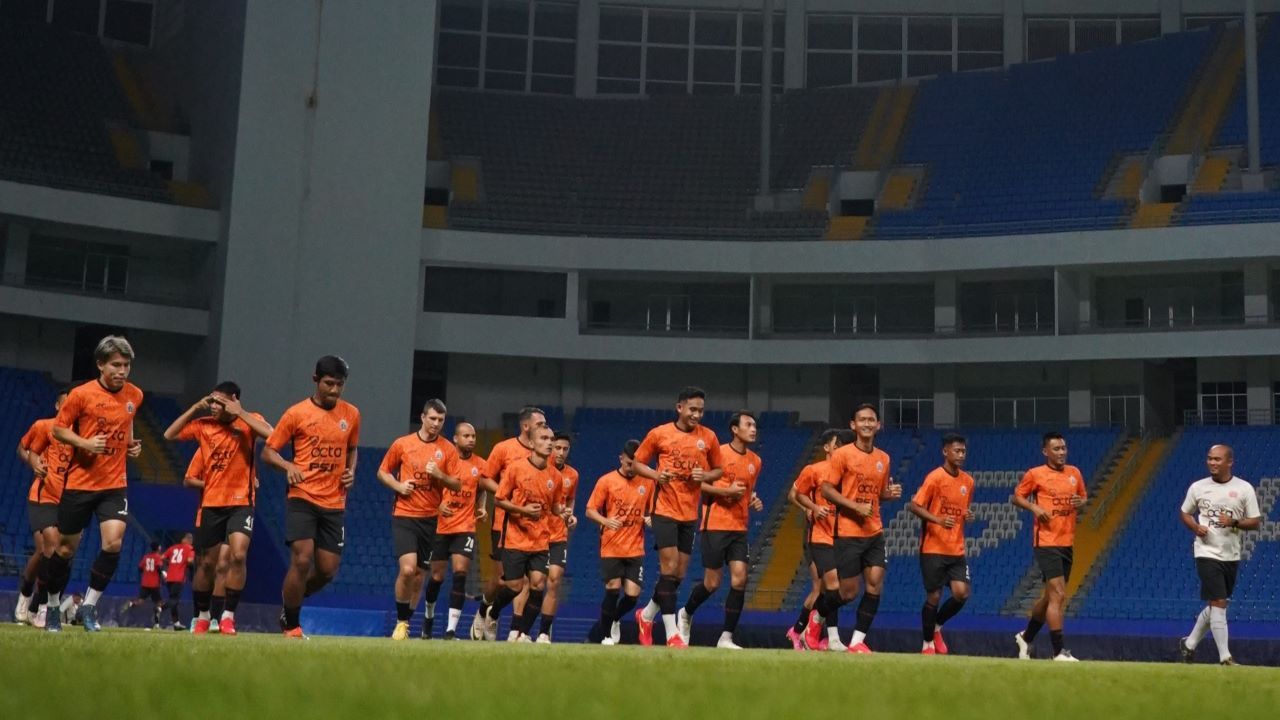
(615, 631)
(513, 635)
(204, 615)
(833, 634)
(858, 636)
(23, 600)
(927, 645)
(453, 619)
(431, 611)
(726, 635)
(669, 622)
(91, 596)
(1201, 627)
(650, 611)
(1218, 626)
(43, 608)
(228, 615)
(55, 600)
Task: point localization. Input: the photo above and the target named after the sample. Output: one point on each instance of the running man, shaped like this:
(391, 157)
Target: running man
(48, 460)
(942, 504)
(455, 543)
(559, 554)
(617, 504)
(806, 494)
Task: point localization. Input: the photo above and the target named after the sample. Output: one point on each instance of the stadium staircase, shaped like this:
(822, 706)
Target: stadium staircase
(780, 550)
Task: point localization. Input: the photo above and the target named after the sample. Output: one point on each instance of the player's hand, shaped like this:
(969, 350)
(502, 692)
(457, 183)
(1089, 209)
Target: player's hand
(969, 516)
(433, 470)
(863, 509)
(37, 465)
(1201, 531)
(823, 512)
(697, 474)
(613, 523)
(348, 478)
(97, 445)
(665, 476)
(571, 521)
(1041, 514)
(948, 522)
(481, 513)
(736, 490)
(406, 488)
(293, 474)
(135, 448)
(1224, 520)
(228, 403)
(448, 510)
(893, 491)
(255, 482)
(1076, 501)
(533, 510)
(756, 503)
(204, 404)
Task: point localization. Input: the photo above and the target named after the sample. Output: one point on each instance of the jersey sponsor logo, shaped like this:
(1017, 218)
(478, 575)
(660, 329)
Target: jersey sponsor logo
(567, 483)
(1232, 494)
(475, 472)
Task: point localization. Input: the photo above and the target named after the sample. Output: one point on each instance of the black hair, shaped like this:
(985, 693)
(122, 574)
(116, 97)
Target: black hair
(951, 438)
(434, 404)
(332, 366)
(736, 418)
(155, 546)
(630, 447)
(831, 434)
(691, 393)
(1052, 435)
(527, 412)
(228, 388)
(562, 436)
(865, 406)
(847, 436)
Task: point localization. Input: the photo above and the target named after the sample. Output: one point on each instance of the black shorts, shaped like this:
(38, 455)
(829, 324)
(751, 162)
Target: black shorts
(305, 521)
(559, 554)
(414, 536)
(673, 533)
(42, 515)
(1054, 562)
(853, 555)
(175, 589)
(446, 546)
(218, 523)
(1217, 578)
(495, 545)
(631, 568)
(78, 507)
(152, 594)
(722, 546)
(938, 570)
(823, 557)
(518, 563)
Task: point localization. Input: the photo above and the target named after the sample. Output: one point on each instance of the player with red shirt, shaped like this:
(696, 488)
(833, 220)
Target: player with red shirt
(150, 568)
(177, 558)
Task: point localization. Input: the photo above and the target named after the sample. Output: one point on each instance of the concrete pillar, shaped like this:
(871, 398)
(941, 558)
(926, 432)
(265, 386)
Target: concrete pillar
(1067, 302)
(573, 303)
(763, 299)
(1170, 16)
(1257, 376)
(793, 61)
(572, 385)
(944, 396)
(1014, 20)
(758, 388)
(15, 254)
(1079, 395)
(945, 293)
(1084, 300)
(1257, 278)
(587, 53)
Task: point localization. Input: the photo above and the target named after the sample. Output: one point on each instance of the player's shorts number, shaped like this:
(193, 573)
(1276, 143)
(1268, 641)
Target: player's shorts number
(471, 544)
(248, 523)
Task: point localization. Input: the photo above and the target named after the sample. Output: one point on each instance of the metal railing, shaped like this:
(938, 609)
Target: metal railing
(1122, 477)
(1239, 416)
(36, 282)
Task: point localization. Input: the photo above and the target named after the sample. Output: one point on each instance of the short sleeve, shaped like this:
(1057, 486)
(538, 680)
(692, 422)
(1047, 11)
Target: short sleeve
(35, 440)
(1251, 509)
(196, 467)
(354, 438)
(493, 466)
(506, 487)
(1027, 487)
(283, 433)
(391, 461)
(925, 494)
(599, 496)
(1189, 502)
(713, 452)
(1083, 487)
(70, 410)
(190, 431)
(648, 449)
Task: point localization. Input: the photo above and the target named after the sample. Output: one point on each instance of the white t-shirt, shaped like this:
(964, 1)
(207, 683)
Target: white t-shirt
(1234, 497)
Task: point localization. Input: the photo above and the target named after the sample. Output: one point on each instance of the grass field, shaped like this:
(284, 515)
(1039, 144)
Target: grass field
(139, 675)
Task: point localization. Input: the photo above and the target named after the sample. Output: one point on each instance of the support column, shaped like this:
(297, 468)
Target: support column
(944, 396)
(572, 385)
(1256, 293)
(1084, 300)
(588, 46)
(15, 254)
(1014, 44)
(1170, 16)
(1079, 395)
(1257, 376)
(793, 61)
(945, 292)
(758, 388)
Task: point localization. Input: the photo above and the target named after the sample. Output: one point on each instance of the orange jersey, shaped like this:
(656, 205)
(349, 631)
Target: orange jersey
(1053, 490)
(944, 495)
(721, 513)
(408, 456)
(569, 486)
(809, 483)
(861, 477)
(502, 455)
(524, 483)
(624, 499)
(56, 457)
(91, 410)
(226, 459)
(463, 501)
(679, 452)
(321, 440)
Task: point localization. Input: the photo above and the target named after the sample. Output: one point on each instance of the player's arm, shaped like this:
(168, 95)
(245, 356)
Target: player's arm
(1193, 524)
(349, 473)
(732, 492)
(715, 469)
(292, 473)
(30, 456)
(834, 496)
(891, 491)
(200, 407)
(1022, 498)
(96, 445)
(929, 517)
(443, 477)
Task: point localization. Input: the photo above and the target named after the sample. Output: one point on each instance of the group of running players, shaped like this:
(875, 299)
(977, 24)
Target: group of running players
(678, 481)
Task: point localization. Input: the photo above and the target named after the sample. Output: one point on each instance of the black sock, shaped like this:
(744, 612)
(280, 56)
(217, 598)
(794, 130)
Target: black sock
(173, 608)
(803, 620)
(625, 605)
(291, 617)
(232, 600)
(531, 610)
(41, 597)
(458, 591)
(216, 604)
(201, 600)
(500, 602)
(547, 620)
(28, 587)
(665, 594)
(104, 567)
(949, 610)
(1033, 627)
(56, 572)
(433, 594)
(928, 620)
(867, 612)
(1055, 637)
(155, 615)
(733, 609)
(609, 610)
(403, 611)
(831, 600)
(696, 598)
(484, 604)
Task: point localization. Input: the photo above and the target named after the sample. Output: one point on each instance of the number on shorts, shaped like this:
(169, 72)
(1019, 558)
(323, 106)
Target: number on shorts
(640, 576)
(125, 511)
(470, 544)
(248, 523)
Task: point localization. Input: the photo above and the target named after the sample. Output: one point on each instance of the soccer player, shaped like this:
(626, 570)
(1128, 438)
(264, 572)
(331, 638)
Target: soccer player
(688, 456)
(617, 504)
(942, 504)
(455, 542)
(511, 450)
(529, 492)
(227, 435)
(48, 460)
(857, 482)
(559, 554)
(729, 501)
(1053, 493)
(97, 421)
(150, 565)
(415, 467)
(177, 558)
(1223, 505)
(323, 431)
(806, 493)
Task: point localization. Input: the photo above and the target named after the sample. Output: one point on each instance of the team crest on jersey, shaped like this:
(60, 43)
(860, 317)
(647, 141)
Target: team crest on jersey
(964, 490)
(342, 425)
(702, 445)
(640, 491)
(439, 455)
(551, 484)
(567, 483)
(128, 407)
(1231, 494)
(751, 468)
(475, 472)
(879, 466)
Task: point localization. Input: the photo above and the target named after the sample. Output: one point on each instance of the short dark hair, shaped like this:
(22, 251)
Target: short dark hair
(630, 447)
(332, 366)
(155, 546)
(434, 404)
(865, 406)
(562, 436)
(952, 438)
(1051, 435)
(690, 393)
(847, 436)
(228, 388)
(528, 411)
(736, 418)
(831, 434)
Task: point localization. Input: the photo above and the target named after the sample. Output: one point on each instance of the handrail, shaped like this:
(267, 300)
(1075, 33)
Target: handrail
(1123, 476)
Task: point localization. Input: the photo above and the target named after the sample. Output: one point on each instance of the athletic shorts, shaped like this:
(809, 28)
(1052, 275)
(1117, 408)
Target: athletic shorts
(673, 533)
(559, 554)
(414, 535)
(42, 515)
(446, 546)
(218, 523)
(305, 521)
(78, 507)
(495, 545)
(175, 589)
(823, 556)
(853, 555)
(518, 563)
(152, 594)
(631, 568)
(938, 570)
(1054, 562)
(1217, 578)
(723, 546)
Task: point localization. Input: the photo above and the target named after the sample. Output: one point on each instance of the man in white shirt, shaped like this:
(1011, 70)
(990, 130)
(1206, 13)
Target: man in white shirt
(1224, 505)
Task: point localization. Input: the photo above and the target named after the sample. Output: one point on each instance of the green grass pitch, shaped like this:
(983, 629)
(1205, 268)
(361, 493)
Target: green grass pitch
(142, 675)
